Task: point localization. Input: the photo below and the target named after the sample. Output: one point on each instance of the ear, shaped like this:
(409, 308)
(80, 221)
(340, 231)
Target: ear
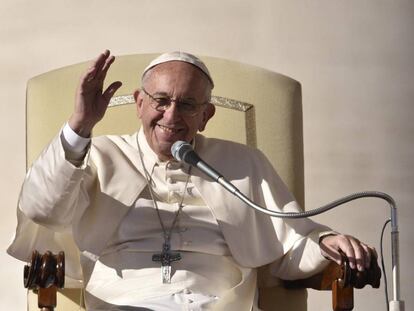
(208, 113)
(138, 102)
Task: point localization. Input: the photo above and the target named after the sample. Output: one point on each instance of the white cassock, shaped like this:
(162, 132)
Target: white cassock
(102, 208)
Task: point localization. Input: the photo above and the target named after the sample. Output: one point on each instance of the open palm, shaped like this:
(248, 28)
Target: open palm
(91, 101)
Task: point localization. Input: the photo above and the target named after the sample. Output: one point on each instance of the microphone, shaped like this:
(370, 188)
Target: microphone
(184, 152)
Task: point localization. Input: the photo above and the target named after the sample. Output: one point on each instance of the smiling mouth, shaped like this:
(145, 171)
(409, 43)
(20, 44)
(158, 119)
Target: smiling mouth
(169, 129)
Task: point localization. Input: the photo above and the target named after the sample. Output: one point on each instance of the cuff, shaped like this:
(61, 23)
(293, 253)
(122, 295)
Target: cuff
(75, 146)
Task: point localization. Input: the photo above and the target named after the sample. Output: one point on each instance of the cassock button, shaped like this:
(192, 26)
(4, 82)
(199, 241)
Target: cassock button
(173, 165)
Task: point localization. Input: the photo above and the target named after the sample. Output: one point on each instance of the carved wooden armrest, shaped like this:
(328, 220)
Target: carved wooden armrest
(341, 279)
(45, 274)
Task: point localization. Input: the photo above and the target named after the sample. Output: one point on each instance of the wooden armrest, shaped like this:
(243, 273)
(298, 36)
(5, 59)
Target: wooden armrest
(341, 279)
(344, 274)
(45, 274)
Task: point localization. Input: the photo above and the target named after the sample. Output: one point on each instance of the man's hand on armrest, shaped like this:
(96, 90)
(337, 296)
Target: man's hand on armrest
(335, 246)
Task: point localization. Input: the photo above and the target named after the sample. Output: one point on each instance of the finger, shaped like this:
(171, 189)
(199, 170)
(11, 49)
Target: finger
(344, 244)
(100, 60)
(105, 67)
(374, 252)
(91, 72)
(110, 90)
(359, 253)
(97, 64)
(367, 253)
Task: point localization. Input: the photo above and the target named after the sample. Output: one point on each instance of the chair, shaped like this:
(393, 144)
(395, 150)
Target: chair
(265, 109)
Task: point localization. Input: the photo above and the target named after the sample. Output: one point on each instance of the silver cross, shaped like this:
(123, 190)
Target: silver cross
(166, 257)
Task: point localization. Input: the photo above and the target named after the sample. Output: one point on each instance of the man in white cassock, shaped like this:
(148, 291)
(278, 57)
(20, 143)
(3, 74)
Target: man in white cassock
(152, 233)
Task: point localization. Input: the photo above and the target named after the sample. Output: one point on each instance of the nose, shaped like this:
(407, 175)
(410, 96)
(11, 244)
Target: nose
(172, 112)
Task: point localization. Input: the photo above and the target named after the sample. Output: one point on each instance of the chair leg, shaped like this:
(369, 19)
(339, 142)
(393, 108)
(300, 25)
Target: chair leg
(47, 298)
(342, 297)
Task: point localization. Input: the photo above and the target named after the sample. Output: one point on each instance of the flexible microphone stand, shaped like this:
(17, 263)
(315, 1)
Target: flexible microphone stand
(394, 305)
(183, 151)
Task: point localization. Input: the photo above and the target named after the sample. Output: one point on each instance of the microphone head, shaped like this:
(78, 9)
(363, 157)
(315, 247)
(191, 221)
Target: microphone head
(179, 149)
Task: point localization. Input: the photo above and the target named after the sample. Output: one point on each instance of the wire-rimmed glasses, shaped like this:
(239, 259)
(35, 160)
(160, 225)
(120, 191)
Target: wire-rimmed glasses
(185, 107)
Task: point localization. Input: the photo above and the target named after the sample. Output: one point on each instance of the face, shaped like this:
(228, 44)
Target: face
(180, 81)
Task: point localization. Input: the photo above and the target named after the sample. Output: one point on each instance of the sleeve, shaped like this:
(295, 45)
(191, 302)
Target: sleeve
(54, 188)
(302, 260)
(299, 237)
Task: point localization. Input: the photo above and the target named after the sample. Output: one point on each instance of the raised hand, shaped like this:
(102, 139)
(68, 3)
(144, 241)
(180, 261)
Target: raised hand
(359, 254)
(91, 101)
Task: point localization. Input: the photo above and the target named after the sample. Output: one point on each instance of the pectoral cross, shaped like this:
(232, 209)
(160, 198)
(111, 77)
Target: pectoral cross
(166, 257)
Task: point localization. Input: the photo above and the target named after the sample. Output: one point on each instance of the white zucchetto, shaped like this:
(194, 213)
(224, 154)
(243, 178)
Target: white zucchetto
(182, 57)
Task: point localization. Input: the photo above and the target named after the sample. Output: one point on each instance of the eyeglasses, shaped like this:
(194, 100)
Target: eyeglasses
(186, 107)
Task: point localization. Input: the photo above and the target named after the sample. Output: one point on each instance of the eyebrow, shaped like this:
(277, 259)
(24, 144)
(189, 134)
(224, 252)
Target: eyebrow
(168, 95)
(161, 93)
